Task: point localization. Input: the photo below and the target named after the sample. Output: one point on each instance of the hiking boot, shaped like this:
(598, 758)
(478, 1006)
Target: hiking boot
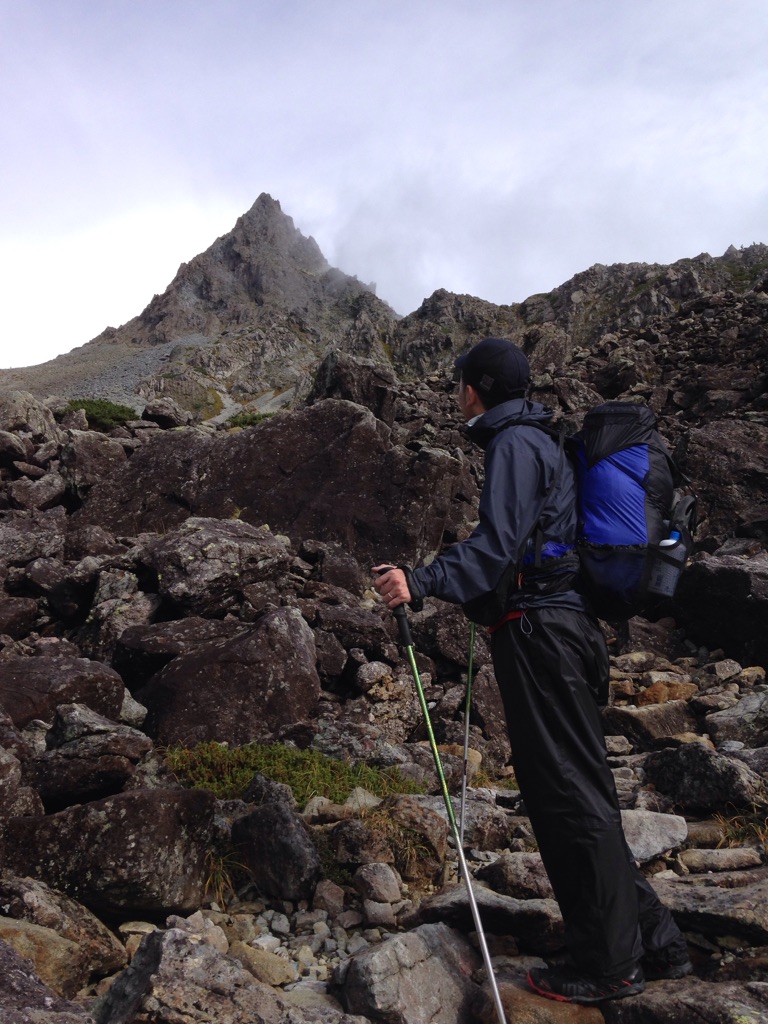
(569, 985)
(666, 963)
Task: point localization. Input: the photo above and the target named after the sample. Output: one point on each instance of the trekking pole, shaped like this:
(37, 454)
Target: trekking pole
(406, 641)
(467, 707)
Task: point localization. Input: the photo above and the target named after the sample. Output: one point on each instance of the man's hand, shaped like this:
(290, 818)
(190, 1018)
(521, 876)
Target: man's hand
(392, 585)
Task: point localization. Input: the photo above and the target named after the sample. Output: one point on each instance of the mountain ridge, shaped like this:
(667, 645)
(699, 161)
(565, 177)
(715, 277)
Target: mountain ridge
(245, 323)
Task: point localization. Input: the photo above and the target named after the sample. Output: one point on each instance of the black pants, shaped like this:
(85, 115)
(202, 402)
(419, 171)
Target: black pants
(552, 668)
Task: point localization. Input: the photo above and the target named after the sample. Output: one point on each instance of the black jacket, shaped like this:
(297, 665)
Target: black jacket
(529, 481)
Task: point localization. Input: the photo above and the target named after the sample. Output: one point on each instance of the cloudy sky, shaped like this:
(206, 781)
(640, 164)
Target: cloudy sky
(495, 147)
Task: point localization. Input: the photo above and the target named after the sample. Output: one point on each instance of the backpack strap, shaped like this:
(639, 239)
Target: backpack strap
(536, 530)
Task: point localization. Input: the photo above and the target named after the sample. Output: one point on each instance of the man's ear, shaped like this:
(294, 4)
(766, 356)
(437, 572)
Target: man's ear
(474, 402)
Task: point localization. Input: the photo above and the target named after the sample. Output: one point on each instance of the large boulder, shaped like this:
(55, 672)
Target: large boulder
(142, 852)
(728, 458)
(329, 471)
(255, 687)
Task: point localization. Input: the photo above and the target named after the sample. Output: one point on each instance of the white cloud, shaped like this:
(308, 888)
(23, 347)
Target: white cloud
(495, 148)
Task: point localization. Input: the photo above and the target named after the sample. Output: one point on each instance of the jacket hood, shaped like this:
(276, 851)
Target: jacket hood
(516, 411)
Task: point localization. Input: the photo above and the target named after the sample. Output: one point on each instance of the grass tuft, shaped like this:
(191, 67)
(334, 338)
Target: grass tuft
(227, 771)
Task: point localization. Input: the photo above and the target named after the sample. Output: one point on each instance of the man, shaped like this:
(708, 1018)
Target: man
(518, 573)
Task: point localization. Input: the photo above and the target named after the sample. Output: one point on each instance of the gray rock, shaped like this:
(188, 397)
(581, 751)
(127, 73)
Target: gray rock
(535, 923)
(696, 778)
(17, 616)
(42, 494)
(141, 651)
(21, 413)
(721, 600)
(89, 757)
(204, 565)
(649, 834)
(86, 457)
(424, 975)
(25, 536)
(519, 875)
(716, 908)
(746, 721)
(377, 882)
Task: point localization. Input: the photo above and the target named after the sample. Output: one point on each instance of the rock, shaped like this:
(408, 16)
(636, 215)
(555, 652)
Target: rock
(299, 473)
(25, 899)
(519, 875)
(679, 1002)
(166, 413)
(88, 758)
(714, 908)
(117, 604)
(746, 721)
(699, 779)
(724, 859)
(329, 897)
(26, 999)
(649, 835)
(204, 565)
(38, 495)
(274, 844)
(34, 687)
(721, 601)
(377, 882)
(256, 687)
(141, 651)
(58, 962)
(650, 726)
(426, 831)
(12, 449)
(154, 841)
(424, 975)
(21, 413)
(265, 966)
(25, 536)
(535, 923)
(17, 616)
(86, 457)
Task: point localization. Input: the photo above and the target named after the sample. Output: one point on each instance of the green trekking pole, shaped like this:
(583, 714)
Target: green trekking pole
(406, 641)
(467, 708)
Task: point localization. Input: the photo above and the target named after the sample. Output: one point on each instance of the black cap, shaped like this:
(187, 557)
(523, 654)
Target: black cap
(496, 368)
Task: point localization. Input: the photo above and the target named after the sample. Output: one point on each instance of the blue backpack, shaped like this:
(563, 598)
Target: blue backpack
(635, 529)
